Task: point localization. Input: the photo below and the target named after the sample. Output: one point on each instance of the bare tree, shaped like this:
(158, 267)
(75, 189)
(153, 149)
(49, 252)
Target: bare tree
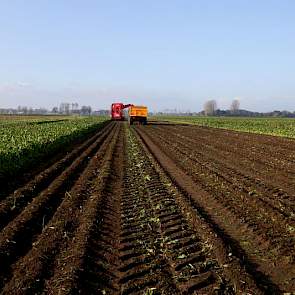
(210, 107)
(235, 105)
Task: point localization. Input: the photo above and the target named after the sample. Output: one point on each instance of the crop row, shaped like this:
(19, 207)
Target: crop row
(6, 120)
(271, 126)
(24, 143)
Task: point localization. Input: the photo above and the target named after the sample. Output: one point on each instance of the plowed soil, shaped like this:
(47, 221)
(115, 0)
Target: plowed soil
(156, 209)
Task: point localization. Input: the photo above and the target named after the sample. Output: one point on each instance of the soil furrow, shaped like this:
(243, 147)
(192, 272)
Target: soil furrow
(224, 149)
(18, 236)
(252, 158)
(195, 268)
(157, 209)
(30, 272)
(253, 189)
(13, 204)
(225, 224)
(68, 272)
(46, 164)
(263, 219)
(284, 146)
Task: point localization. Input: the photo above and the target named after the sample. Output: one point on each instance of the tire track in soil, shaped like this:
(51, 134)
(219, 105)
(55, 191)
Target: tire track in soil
(224, 224)
(18, 237)
(143, 265)
(127, 220)
(271, 236)
(228, 269)
(140, 240)
(185, 249)
(95, 265)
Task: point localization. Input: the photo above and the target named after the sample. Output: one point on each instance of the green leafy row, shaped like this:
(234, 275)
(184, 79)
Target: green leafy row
(14, 119)
(24, 143)
(271, 126)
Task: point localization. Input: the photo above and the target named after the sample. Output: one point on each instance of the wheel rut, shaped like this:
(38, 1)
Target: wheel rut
(225, 220)
(156, 249)
(134, 211)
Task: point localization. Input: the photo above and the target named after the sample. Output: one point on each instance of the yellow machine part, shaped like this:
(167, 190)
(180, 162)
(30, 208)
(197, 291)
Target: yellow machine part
(138, 111)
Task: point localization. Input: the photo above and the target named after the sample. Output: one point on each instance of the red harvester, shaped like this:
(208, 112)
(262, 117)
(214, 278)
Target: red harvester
(117, 110)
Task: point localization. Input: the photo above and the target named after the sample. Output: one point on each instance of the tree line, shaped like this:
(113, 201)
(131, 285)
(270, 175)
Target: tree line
(211, 109)
(63, 109)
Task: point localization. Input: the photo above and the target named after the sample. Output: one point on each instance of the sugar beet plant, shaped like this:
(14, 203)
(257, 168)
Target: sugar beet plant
(24, 143)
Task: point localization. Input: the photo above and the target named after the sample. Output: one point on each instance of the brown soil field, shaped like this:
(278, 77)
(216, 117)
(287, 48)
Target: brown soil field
(156, 209)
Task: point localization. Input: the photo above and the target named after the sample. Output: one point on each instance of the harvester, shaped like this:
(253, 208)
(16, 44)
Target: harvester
(117, 110)
(135, 113)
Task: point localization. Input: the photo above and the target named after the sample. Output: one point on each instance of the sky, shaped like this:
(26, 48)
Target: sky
(165, 54)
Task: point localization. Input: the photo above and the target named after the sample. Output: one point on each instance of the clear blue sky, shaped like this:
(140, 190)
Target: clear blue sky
(165, 54)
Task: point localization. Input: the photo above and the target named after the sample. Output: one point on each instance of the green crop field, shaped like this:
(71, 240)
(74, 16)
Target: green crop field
(25, 140)
(16, 119)
(271, 126)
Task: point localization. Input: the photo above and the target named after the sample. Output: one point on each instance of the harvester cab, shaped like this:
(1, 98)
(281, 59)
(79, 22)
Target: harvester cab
(117, 111)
